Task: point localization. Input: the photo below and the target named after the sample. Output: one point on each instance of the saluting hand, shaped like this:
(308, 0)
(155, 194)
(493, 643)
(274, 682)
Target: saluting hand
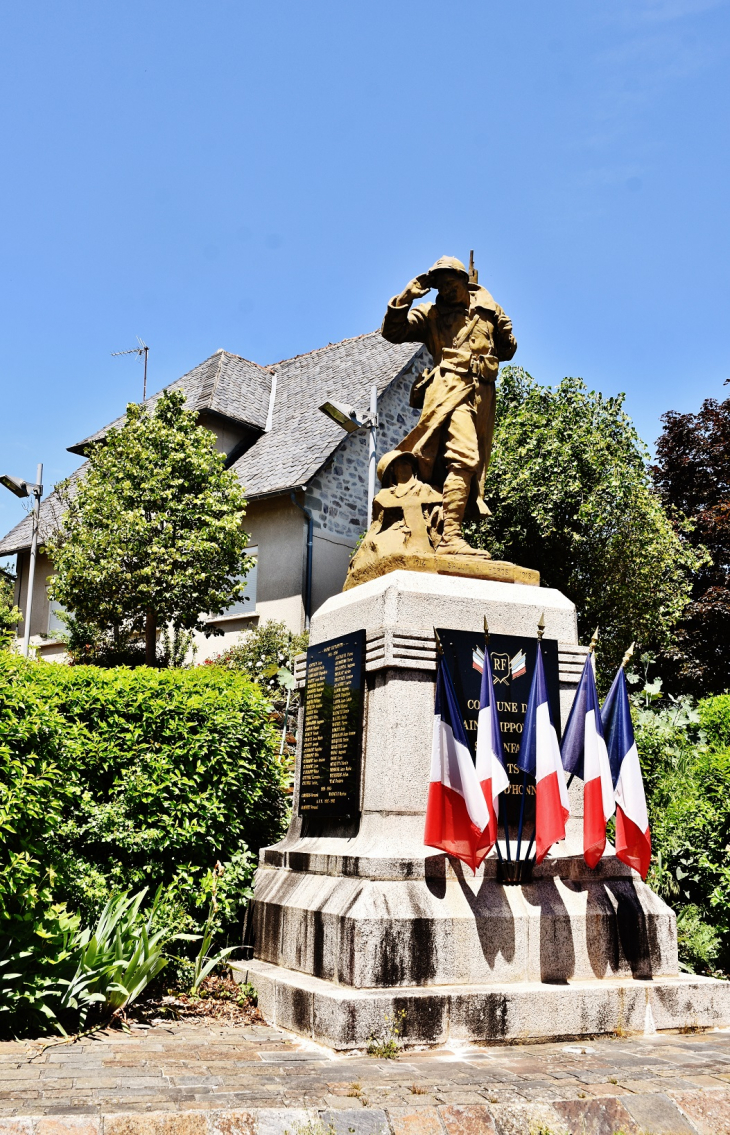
(418, 287)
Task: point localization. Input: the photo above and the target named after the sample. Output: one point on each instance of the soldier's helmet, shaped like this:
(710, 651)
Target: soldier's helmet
(387, 461)
(448, 264)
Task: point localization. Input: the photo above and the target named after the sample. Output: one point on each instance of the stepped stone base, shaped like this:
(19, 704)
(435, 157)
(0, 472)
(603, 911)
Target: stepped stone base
(355, 918)
(345, 1018)
(370, 921)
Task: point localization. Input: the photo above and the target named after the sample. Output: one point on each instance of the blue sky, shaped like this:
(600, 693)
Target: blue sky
(262, 177)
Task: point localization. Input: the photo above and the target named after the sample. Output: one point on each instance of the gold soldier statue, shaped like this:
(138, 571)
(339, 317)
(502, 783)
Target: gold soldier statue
(468, 335)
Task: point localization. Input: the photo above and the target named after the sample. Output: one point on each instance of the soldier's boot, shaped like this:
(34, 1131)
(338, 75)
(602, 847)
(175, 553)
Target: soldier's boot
(456, 495)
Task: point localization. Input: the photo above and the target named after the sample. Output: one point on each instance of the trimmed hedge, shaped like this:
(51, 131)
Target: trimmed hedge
(118, 779)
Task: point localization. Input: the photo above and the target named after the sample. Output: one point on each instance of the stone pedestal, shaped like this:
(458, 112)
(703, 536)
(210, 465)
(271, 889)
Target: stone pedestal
(352, 922)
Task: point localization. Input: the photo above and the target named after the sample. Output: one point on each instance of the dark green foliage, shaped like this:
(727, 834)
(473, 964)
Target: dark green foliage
(685, 758)
(35, 932)
(570, 496)
(114, 780)
(36, 961)
(692, 473)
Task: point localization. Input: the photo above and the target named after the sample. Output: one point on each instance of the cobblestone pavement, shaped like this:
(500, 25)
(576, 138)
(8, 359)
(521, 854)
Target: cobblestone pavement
(202, 1079)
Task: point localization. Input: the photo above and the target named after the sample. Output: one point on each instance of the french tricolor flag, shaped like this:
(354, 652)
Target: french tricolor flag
(585, 755)
(540, 756)
(633, 838)
(456, 813)
(491, 772)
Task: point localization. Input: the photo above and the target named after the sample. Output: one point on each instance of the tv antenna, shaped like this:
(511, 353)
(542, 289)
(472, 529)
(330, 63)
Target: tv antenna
(141, 351)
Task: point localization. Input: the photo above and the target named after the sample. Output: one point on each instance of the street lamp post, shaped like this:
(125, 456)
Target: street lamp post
(351, 420)
(25, 489)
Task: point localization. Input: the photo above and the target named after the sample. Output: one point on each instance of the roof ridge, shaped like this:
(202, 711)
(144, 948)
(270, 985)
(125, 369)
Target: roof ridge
(251, 362)
(317, 350)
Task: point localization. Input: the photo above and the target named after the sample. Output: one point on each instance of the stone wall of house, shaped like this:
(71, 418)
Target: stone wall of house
(338, 496)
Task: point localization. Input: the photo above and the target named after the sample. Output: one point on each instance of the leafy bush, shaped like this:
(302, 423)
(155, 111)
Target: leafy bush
(117, 961)
(90, 645)
(36, 963)
(699, 943)
(715, 719)
(9, 614)
(35, 930)
(79, 974)
(263, 652)
(570, 495)
(267, 654)
(115, 780)
(686, 763)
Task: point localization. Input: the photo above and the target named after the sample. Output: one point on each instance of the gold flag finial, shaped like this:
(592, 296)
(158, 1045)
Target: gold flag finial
(541, 627)
(439, 645)
(594, 642)
(473, 274)
(486, 629)
(628, 654)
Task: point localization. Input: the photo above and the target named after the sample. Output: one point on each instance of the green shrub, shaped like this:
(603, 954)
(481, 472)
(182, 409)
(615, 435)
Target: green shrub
(715, 719)
(699, 943)
(36, 962)
(35, 930)
(62, 976)
(120, 779)
(10, 616)
(263, 652)
(686, 765)
(116, 961)
(267, 654)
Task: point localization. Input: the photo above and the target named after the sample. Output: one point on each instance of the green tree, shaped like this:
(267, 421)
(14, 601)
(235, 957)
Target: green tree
(9, 613)
(153, 533)
(571, 496)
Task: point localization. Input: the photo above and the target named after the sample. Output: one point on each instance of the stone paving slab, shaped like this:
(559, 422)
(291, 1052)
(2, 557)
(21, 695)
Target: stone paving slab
(206, 1079)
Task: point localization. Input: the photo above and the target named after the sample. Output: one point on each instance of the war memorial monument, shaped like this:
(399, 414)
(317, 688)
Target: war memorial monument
(354, 918)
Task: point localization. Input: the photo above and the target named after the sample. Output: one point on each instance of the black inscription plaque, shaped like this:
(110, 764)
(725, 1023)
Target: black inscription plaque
(330, 775)
(513, 664)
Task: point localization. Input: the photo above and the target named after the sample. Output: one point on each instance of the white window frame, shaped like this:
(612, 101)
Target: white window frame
(59, 628)
(246, 607)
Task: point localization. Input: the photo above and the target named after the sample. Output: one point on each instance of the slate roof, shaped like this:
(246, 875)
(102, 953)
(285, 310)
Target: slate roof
(225, 384)
(301, 438)
(52, 510)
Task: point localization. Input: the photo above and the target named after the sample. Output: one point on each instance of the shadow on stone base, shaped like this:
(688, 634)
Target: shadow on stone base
(342, 1017)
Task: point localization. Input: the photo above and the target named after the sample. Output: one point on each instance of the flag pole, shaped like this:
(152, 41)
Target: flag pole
(522, 814)
(491, 694)
(592, 651)
(540, 633)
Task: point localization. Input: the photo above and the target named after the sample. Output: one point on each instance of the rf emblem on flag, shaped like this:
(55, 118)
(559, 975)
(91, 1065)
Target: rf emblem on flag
(500, 668)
